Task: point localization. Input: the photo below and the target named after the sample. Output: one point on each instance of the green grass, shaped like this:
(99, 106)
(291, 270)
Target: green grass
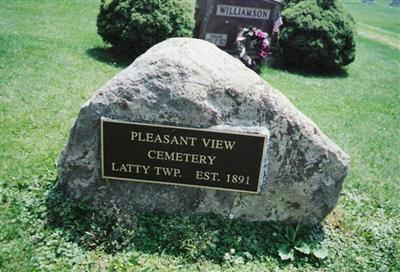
(51, 62)
(378, 15)
(379, 22)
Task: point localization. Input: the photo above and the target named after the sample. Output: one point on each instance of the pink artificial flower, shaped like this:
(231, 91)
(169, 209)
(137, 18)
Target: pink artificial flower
(260, 34)
(264, 44)
(262, 54)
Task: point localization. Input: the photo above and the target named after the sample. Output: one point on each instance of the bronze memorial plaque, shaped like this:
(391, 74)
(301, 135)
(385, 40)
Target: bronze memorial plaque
(219, 21)
(182, 156)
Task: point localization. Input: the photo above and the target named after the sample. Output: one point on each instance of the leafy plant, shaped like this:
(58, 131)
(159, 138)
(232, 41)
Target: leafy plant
(293, 244)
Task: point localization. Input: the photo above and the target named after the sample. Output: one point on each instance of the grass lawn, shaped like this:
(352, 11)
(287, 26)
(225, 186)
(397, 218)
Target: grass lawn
(51, 61)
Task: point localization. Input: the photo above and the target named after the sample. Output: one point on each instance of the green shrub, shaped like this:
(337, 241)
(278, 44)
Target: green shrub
(133, 26)
(316, 35)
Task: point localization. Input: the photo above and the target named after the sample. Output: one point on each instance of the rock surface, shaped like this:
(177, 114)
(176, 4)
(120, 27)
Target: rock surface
(191, 83)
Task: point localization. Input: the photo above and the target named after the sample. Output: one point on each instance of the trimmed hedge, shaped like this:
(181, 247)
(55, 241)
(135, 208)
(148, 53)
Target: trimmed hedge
(133, 26)
(316, 35)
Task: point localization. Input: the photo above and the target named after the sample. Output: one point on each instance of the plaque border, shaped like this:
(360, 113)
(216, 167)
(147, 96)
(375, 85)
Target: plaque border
(262, 163)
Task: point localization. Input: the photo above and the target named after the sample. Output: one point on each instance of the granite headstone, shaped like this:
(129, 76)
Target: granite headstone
(219, 21)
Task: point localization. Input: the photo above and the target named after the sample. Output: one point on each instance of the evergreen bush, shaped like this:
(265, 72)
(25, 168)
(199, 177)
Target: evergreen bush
(316, 35)
(133, 26)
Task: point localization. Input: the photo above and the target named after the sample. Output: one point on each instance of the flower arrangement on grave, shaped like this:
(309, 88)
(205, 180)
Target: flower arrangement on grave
(260, 39)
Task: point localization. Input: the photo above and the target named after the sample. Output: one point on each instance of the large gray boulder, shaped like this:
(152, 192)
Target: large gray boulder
(192, 83)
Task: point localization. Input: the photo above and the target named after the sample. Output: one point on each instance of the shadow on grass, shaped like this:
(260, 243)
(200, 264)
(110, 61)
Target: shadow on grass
(191, 237)
(111, 56)
(277, 64)
(341, 73)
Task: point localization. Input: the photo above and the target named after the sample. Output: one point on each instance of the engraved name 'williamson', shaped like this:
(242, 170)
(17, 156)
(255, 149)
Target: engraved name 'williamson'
(243, 12)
